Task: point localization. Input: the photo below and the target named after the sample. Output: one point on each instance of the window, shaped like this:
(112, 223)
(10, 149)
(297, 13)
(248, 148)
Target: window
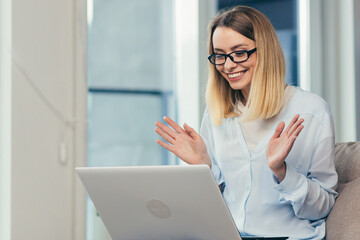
(131, 81)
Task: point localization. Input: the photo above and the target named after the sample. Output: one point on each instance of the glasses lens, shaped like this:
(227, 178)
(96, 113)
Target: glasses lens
(239, 56)
(217, 59)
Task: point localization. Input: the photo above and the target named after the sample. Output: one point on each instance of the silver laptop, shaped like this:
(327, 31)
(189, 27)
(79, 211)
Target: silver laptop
(180, 202)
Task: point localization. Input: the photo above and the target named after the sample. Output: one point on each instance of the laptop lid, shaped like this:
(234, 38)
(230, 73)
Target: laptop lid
(159, 202)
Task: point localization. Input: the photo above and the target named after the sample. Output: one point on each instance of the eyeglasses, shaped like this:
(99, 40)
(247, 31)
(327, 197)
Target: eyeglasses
(236, 57)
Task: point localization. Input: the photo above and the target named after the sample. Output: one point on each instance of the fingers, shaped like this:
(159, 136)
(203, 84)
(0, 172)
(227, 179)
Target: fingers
(166, 129)
(293, 121)
(293, 133)
(189, 130)
(298, 130)
(293, 129)
(165, 135)
(296, 127)
(165, 145)
(174, 125)
(278, 130)
(166, 132)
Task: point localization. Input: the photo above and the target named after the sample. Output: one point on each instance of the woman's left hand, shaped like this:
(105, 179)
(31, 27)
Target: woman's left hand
(280, 145)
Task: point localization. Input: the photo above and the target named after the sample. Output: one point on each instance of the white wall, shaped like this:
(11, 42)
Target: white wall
(48, 115)
(187, 62)
(5, 119)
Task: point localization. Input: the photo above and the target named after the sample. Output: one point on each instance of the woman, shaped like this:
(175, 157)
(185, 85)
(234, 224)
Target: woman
(273, 185)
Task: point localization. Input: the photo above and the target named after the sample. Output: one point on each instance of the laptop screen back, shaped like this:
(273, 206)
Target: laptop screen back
(159, 202)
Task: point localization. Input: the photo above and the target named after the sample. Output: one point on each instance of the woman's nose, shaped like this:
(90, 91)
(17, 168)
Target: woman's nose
(229, 64)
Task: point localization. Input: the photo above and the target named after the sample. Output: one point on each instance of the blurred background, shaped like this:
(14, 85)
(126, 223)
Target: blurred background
(82, 83)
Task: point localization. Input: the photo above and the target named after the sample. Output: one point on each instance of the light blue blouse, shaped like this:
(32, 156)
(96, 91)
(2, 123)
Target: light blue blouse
(260, 206)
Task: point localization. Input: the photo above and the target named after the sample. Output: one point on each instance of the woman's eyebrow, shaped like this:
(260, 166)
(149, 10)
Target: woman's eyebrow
(239, 45)
(232, 48)
(218, 50)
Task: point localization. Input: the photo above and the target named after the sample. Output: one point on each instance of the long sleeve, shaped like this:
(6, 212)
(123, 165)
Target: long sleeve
(313, 195)
(207, 136)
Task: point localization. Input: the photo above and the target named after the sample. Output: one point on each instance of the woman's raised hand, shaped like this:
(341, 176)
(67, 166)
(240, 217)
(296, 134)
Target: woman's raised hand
(185, 142)
(280, 145)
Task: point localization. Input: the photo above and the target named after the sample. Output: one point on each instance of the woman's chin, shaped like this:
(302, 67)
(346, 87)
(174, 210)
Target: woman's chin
(238, 85)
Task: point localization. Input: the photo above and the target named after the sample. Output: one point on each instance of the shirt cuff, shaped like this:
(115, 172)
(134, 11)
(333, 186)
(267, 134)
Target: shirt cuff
(292, 181)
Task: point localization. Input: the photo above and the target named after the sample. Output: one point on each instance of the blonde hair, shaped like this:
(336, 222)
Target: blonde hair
(267, 85)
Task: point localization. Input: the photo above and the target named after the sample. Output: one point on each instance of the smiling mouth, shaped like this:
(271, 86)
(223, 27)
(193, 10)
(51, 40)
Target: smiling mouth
(236, 75)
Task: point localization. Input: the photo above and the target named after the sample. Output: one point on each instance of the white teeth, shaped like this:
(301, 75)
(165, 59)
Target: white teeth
(236, 74)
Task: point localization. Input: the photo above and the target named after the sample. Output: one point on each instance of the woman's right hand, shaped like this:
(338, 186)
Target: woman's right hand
(185, 142)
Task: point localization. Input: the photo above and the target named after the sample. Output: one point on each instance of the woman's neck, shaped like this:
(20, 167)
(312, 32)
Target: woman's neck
(245, 95)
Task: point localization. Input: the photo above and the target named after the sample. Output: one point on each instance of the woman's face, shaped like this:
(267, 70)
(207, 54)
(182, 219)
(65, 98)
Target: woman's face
(239, 75)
